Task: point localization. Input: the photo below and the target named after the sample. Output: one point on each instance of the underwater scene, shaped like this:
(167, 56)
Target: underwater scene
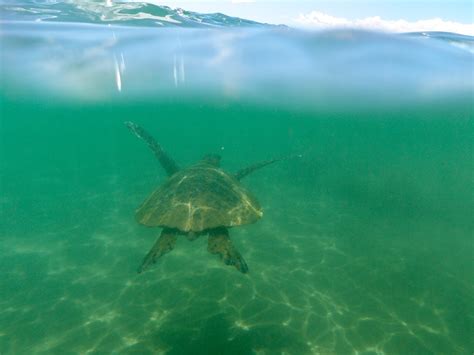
(363, 233)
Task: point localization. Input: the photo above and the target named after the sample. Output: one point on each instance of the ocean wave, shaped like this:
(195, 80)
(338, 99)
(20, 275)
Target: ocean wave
(124, 13)
(68, 52)
(273, 66)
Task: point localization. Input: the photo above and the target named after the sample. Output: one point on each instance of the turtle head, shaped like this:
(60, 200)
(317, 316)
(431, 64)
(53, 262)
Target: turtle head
(212, 159)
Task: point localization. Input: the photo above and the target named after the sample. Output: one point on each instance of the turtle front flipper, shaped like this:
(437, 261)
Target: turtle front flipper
(250, 169)
(163, 245)
(220, 243)
(165, 160)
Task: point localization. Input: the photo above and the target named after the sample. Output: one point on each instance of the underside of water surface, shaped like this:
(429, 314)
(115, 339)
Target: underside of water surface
(365, 245)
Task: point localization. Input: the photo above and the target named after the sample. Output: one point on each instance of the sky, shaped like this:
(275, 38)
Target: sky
(391, 15)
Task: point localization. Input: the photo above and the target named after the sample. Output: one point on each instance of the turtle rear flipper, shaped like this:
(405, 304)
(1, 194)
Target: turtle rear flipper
(165, 160)
(163, 245)
(220, 243)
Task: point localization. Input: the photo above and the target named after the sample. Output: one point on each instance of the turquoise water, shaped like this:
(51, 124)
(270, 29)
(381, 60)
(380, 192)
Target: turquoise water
(365, 246)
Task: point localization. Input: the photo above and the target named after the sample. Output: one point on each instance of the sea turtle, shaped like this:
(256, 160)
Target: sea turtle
(198, 200)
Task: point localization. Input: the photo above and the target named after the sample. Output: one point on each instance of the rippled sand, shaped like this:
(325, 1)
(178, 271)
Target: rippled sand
(321, 281)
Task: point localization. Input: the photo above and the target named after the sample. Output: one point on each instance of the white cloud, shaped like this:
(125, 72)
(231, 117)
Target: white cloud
(319, 20)
(242, 1)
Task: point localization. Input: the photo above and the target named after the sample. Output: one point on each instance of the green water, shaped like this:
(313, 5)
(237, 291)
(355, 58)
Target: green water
(365, 245)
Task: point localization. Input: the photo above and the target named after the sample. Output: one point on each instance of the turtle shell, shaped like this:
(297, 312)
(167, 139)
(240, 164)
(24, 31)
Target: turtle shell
(199, 198)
